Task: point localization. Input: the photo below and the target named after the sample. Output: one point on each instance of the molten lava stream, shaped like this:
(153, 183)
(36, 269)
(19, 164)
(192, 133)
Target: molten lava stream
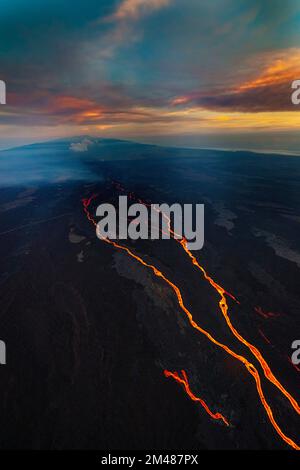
(296, 367)
(224, 310)
(264, 314)
(249, 366)
(184, 381)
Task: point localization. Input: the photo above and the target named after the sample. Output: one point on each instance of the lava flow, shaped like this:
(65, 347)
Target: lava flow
(297, 368)
(248, 365)
(224, 309)
(266, 315)
(184, 381)
(264, 336)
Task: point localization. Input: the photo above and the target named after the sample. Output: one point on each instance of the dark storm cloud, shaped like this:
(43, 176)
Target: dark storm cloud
(275, 97)
(260, 99)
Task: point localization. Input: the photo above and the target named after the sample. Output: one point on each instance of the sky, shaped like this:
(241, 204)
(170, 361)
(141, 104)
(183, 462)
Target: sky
(206, 73)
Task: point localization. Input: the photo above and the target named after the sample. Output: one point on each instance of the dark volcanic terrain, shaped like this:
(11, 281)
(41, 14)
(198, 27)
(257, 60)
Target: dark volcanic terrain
(89, 331)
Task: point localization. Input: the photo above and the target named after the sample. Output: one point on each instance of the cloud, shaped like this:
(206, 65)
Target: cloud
(82, 146)
(134, 9)
(268, 90)
(123, 18)
(141, 66)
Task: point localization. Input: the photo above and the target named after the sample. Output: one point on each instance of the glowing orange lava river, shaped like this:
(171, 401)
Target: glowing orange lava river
(252, 370)
(184, 381)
